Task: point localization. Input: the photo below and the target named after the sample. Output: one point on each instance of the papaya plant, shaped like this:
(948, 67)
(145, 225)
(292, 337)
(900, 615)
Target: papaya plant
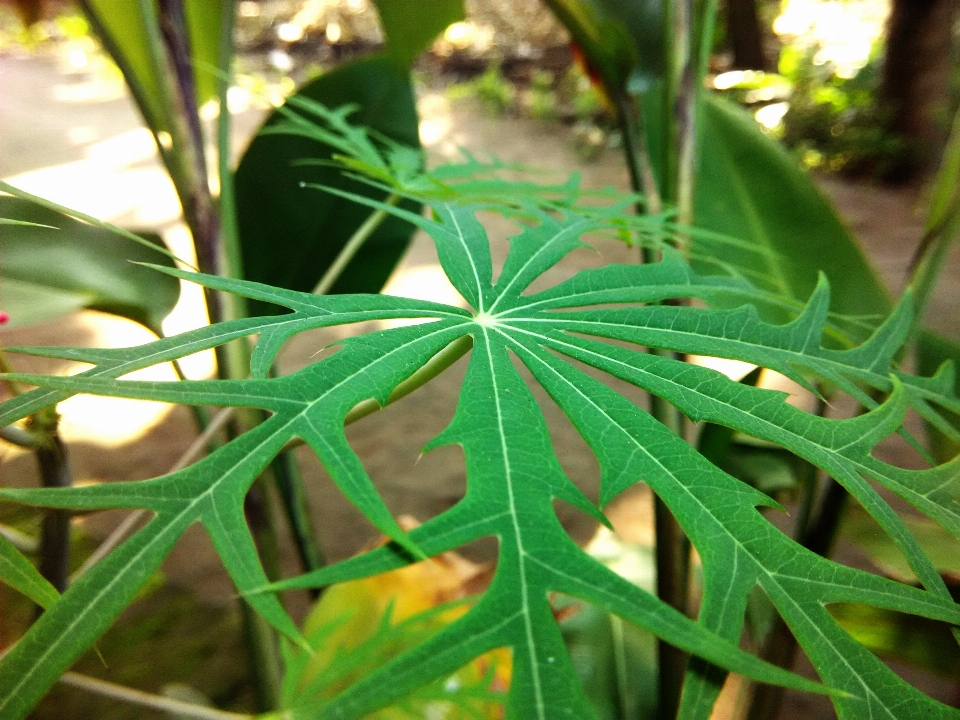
(512, 470)
(760, 308)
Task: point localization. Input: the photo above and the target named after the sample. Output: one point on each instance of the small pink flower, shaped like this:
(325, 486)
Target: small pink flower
(3, 317)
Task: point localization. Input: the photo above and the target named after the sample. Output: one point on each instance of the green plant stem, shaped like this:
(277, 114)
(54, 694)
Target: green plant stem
(679, 104)
(54, 466)
(230, 232)
(261, 642)
(235, 306)
(294, 498)
(355, 242)
(436, 365)
(642, 180)
(626, 703)
(942, 226)
(780, 646)
(177, 708)
(20, 437)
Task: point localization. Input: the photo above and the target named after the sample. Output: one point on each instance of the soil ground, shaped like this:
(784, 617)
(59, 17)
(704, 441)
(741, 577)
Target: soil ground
(75, 140)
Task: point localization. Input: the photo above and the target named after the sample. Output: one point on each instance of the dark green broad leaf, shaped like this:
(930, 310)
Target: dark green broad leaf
(749, 187)
(20, 574)
(514, 476)
(291, 233)
(411, 27)
(123, 28)
(65, 265)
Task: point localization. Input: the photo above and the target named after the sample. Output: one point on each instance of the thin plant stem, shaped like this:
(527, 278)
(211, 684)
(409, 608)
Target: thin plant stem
(625, 699)
(52, 460)
(177, 708)
(171, 45)
(942, 226)
(294, 498)
(679, 103)
(642, 179)
(131, 520)
(436, 365)
(230, 231)
(355, 242)
(261, 641)
(21, 438)
(780, 647)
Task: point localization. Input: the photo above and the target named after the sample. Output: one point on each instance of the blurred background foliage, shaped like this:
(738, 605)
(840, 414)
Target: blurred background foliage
(819, 74)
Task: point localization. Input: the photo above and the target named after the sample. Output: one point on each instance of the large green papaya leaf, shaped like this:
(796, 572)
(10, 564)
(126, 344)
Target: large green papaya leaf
(514, 476)
(411, 27)
(58, 264)
(749, 187)
(290, 234)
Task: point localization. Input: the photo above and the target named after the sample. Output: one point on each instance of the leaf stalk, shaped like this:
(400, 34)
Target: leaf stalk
(179, 708)
(356, 241)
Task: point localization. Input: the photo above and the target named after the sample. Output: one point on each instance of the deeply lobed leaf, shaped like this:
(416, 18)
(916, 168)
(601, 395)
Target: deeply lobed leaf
(514, 475)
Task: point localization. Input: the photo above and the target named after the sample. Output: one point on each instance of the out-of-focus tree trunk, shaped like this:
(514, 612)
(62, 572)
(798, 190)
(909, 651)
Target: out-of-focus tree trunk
(916, 76)
(746, 35)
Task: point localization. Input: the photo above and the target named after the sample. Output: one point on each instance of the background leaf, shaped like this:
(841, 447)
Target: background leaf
(751, 188)
(46, 273)
(411, 27)
(291, 234)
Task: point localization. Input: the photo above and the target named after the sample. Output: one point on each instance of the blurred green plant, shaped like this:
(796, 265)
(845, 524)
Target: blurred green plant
(492, 90)
(835, 123)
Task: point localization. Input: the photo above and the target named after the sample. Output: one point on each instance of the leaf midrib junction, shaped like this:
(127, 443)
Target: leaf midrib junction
(707, 510)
